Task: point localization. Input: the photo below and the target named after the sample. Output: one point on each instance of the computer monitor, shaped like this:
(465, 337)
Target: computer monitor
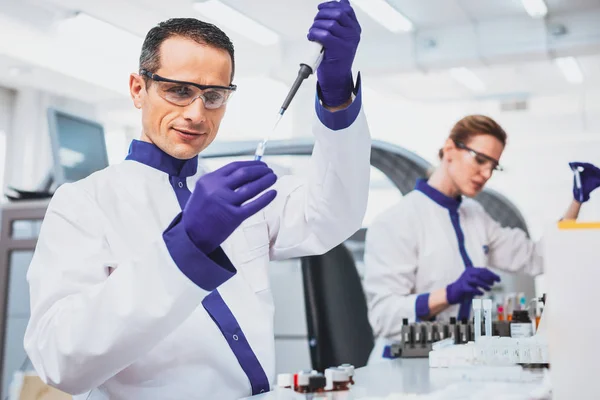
(78, 147)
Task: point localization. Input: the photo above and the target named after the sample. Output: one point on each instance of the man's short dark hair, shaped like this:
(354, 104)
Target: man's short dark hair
(190, 28)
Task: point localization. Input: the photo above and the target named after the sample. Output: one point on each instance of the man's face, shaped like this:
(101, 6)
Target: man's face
(182, 131)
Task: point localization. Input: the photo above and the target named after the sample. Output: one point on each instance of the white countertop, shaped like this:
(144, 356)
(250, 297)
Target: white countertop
(413, 376)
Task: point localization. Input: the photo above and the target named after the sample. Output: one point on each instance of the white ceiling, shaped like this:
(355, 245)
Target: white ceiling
(519, 80)
(507, 49)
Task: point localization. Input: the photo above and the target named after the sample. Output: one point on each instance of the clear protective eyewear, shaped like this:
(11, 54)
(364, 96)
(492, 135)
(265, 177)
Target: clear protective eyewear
(181, 93)
(481, 159)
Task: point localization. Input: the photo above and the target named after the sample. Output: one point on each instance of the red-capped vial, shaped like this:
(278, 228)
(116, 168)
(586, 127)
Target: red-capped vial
(349, 368)
(303, 380)
(285, 381)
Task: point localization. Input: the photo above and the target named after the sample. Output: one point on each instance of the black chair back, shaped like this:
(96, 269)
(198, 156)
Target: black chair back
(336, 310)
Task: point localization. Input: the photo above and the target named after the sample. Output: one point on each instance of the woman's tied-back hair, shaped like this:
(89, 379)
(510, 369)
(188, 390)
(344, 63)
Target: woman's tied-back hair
(473, 125)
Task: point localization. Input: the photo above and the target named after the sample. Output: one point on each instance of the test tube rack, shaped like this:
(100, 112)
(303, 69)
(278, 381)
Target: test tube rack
(419, 337)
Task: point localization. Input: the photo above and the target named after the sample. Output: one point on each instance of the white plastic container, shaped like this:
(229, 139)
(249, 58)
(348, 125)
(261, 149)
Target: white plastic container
(572, 275)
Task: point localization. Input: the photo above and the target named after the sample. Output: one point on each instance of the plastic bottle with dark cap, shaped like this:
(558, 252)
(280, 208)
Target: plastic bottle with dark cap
(464, 331)
(316, 383)
(520, 325)
(454, 330)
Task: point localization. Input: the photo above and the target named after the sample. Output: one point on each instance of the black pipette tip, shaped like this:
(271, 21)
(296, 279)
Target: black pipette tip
(304, 72)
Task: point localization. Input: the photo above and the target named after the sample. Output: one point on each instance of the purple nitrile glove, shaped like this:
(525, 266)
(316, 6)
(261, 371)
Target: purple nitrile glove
(468, 285)
(589, 179)
(216, 207)
(338, 31)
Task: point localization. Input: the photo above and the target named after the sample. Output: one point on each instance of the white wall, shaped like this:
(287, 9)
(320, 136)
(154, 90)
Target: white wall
(6, 108)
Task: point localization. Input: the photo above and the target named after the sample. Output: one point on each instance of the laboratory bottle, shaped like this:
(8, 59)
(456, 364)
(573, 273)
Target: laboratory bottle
(340, 380)
(285, 381)
(303, 378)
(520, 325)
(349, 368)
(509, 306)
(522, 301)
(500, 313)
(453, 330)
(337, 380)
(538, 317)
(316, 383)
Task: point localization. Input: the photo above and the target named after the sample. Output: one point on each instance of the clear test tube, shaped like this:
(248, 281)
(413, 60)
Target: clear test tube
(508, 306)
(500, 312)
(578, 183)
(533, 313)
(487, 314)
(522, 301)
(477, 316)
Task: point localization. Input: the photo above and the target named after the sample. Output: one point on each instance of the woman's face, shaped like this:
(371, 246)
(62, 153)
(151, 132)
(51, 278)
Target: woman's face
(471, 164)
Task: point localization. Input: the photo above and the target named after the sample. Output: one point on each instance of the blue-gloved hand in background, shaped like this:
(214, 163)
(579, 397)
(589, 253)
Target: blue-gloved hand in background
(338, 30)
(590, 180)
(470, 283)
(216, 207)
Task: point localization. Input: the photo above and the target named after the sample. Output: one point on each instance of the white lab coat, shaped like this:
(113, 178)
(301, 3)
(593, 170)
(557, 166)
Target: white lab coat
(412, 248)
(140, 332)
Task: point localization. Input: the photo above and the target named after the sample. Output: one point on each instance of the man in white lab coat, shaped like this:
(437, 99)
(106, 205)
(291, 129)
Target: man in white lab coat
(133, 298)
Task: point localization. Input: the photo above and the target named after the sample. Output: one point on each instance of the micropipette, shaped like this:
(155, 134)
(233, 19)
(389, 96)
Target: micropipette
(305, 71)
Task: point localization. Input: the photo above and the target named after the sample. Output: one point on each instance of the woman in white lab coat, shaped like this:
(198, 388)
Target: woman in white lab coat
(150, 279)
(426, 257)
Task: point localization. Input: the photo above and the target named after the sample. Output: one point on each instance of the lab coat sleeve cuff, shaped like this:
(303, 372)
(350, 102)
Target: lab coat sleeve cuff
(342, 119)
(422, 306)
(206, 271)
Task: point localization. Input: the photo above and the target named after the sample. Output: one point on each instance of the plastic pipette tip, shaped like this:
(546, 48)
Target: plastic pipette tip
(578, 182)
(260, 151)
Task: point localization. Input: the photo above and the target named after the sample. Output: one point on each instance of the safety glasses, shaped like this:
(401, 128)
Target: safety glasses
(181, 93)
(481, 159)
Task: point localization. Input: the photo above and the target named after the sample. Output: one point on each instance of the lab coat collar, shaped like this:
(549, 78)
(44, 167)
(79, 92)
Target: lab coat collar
(152, 156)
(450, 203)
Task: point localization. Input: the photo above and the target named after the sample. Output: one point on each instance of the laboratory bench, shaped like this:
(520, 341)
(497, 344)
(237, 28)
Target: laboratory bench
(413, 376)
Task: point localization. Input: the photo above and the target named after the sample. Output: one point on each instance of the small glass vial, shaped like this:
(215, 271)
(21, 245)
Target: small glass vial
(349, 368)
(316, 383)
(500, 313)
(520, 325)
(303, 378)
(285, 381)
(337, 380)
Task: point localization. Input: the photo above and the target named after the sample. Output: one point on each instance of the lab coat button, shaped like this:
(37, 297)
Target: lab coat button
(235, 337)
(180, 184)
